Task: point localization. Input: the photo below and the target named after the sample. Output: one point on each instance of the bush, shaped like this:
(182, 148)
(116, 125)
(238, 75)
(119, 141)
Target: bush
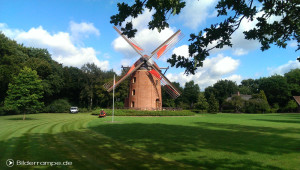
(257, 106)
(83, 110)
(119, 105)
(2, 111)
(58, 106)
(199, 111)
(128, 112)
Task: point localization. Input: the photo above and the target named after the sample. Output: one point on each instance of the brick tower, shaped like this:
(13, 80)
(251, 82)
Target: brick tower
(144, 91)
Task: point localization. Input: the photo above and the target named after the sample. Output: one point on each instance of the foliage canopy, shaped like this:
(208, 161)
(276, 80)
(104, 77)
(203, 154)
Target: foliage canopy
(278, 33)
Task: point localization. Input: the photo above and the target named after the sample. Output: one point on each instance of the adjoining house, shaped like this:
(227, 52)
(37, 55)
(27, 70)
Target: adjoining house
(243, 96)
(297, 98)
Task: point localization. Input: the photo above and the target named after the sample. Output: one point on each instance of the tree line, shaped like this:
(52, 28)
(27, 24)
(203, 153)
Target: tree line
(30, 81)
(264, 95)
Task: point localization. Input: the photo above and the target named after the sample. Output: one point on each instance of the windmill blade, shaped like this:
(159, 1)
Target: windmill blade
(109, 86)
(131, 42)
(168, 86)
(168, 44)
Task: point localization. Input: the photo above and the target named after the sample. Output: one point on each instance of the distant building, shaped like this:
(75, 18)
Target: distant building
(297, 98)
(243, 96)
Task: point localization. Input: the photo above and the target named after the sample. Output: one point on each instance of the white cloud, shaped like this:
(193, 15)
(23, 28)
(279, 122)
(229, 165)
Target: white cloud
(182, 51)
(79, 30)
(293, 44)
(285, 67)
(214, 69)
(196, 12)
(59, 45)
(7, 31)
(236, 78)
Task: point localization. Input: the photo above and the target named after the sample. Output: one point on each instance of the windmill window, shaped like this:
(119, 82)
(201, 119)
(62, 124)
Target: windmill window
(133, 92)
(132, 104)
(133, 80)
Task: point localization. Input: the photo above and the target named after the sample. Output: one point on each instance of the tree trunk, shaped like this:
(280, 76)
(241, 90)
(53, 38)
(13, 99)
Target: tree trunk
(24, 116)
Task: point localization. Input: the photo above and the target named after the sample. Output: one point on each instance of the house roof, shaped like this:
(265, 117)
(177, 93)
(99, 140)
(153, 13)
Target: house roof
(243, 96)
(297, 98)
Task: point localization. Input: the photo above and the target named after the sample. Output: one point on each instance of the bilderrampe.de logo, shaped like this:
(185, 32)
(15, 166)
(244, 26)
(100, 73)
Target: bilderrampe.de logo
(10, 163)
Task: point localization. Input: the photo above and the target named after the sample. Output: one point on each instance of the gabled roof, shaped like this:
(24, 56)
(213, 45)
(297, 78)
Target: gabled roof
(243, 96)
(297, 98)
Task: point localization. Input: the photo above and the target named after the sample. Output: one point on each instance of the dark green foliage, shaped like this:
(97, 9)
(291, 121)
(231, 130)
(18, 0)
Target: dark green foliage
(221, 91)
(224, 89)
(293, 80)
(213, 104)
(202, 103)
(233, 12)
(58, 106)
(11, 62)
(276, 89)
(291, 106)
(249, 84)
(237, 103)
(24, 93)
(163, 8)
(258, 103)
(128, 112)
(190, 93)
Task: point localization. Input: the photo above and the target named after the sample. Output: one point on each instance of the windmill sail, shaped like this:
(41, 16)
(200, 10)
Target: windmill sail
(109, 86)
(168, 86)
(131, 42)
(144, 59)
(168, 44)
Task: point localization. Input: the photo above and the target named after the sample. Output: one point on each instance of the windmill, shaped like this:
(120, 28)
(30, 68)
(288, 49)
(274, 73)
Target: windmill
(146, 77)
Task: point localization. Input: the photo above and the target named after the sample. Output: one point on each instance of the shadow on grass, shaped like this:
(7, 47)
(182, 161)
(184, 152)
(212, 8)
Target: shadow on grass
(168, 139)
(286, 115)
(85, 149)
(140, 146)
(21, 118)
(279, 121)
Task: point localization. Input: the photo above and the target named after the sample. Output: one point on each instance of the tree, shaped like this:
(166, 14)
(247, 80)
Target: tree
(258, 103)
(202, 102)
(24, 93)
(190, 93)
(237, 102)
(293, 80)
(278, 32)
(213, 104)
(249, 86)
(222, 90)
(291, 106)
(92, 76)
(11, 59)
(276, 89)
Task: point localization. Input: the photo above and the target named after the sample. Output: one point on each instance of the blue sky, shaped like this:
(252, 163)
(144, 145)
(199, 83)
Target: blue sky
(78, 31)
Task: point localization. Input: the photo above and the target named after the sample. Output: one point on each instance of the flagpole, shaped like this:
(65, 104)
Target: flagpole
(113, 111)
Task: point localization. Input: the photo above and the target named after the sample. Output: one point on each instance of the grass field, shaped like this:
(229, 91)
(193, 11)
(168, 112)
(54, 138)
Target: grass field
(208, 141)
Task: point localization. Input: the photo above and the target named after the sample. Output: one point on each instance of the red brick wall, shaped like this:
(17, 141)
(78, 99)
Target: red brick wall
(147, 91)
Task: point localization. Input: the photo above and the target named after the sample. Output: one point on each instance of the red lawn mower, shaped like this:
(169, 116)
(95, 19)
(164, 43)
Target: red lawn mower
(102, 114)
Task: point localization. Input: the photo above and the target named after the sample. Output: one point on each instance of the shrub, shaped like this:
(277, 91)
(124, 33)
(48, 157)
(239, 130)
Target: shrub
(128, 112)
(257, 106)
(119, 105)
(2, 111)
(58, 106)
(83, 110)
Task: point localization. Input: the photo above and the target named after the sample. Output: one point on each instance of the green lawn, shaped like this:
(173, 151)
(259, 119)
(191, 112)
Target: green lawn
(208, 141)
